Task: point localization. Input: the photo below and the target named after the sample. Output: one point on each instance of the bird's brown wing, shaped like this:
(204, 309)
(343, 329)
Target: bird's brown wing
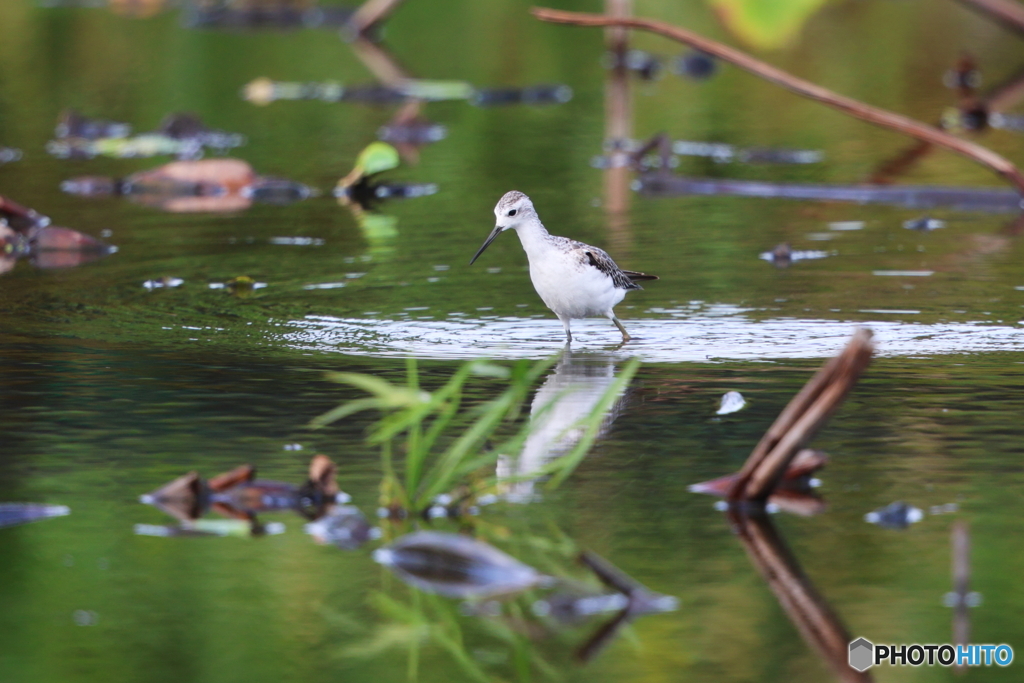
(603, 262)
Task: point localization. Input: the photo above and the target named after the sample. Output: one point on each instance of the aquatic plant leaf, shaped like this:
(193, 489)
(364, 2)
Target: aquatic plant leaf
(765, 24)
(377, 157)
(345, 410)
(385, 638)
(388, 396)
(443, 474)
(13, 514)
(456, 566)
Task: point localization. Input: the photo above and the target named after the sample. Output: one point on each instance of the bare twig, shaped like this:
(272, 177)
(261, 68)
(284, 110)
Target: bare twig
(798, 422)
(855, 108)
(370, 13)
(1006, 12)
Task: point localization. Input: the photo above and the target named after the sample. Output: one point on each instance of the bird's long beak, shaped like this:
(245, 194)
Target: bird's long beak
(490, 238)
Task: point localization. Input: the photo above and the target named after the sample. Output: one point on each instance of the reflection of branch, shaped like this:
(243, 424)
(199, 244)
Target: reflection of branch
(1001, 98)
(380, 62)
(1007, 94)
(855, 108)
(808, 611)
(1006, 12)
(961, 544)
(602, 636)
(804, 415)
(641, 600)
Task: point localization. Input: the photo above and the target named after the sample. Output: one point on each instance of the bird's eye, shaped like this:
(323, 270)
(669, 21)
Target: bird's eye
(512, 212)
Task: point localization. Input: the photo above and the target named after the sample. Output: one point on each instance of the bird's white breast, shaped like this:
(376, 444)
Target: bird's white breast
(570, 287)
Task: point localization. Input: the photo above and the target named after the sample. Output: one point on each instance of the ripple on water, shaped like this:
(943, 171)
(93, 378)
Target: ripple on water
(692, 334)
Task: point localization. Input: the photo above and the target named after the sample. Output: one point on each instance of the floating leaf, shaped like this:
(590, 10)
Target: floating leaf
(376, 158)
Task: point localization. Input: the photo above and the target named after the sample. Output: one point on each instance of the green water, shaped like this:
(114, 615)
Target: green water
(109, 390)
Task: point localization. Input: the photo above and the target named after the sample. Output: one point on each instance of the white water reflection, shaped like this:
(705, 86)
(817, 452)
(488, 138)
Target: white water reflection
(570, 392)
(689, 333)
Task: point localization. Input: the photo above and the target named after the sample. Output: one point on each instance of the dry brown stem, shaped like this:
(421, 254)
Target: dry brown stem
(855, 108)
(799, 420)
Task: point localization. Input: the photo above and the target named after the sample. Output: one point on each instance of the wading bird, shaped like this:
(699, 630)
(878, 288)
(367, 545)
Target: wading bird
(573, 279)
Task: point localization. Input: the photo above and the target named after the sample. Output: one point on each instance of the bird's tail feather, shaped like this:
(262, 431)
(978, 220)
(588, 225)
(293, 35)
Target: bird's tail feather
(633, 275)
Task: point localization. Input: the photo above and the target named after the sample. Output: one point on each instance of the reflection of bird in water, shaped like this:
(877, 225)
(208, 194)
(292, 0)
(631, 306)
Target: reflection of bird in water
(574, 280)
(572, 389)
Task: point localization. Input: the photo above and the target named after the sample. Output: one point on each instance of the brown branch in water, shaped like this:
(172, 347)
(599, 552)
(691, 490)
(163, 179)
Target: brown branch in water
(1006, 12)
(855, 108)
(799, 420)
(371, 13)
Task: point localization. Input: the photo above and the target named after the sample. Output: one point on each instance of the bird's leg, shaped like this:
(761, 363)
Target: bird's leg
(568, 334)
(625, 335)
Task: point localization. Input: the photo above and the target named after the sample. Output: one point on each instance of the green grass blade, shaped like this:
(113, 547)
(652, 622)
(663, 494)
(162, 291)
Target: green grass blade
(345, 410)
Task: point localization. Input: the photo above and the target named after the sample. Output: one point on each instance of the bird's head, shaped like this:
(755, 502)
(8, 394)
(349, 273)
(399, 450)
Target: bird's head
(512, 211)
